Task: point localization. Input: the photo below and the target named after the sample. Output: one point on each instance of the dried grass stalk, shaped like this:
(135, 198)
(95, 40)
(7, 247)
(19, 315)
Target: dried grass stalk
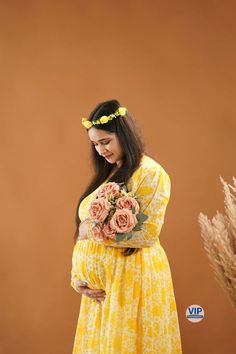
(219, 238)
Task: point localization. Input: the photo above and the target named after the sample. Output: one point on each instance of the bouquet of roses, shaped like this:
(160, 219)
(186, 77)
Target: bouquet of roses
(114, 213)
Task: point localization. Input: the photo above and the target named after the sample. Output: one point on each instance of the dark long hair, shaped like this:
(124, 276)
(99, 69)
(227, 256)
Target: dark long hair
(130, 140)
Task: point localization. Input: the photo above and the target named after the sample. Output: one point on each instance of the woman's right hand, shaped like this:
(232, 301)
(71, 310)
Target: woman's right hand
(83, 230)
(97, 295)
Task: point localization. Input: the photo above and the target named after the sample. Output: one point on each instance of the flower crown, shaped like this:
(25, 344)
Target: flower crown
(104, 119)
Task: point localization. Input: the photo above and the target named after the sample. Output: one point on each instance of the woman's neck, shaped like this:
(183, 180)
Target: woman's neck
(113, 171)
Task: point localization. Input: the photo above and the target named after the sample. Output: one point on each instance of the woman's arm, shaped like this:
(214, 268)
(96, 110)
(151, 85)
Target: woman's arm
(153, 195)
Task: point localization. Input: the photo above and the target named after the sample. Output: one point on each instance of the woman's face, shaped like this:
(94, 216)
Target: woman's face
(107, 145)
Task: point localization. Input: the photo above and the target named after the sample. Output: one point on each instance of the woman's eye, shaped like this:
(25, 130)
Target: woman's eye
(103, 143)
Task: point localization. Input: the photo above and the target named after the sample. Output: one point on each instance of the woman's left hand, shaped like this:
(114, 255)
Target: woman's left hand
(97, 295)
(83, 230)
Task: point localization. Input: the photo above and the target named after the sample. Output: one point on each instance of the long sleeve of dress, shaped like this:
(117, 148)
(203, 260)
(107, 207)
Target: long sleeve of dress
(153, 192)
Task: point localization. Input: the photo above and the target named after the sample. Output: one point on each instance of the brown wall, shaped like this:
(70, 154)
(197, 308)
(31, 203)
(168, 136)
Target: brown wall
(172, 64)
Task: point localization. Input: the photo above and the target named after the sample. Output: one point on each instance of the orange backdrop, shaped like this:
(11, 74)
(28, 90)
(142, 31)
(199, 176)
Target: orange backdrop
(172, 64)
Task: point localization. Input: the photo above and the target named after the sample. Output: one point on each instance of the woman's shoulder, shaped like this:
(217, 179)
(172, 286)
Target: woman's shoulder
(147, 174)
(149, 169)
(149, 165)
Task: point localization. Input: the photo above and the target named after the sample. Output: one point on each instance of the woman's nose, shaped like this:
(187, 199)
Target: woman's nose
(101, 150)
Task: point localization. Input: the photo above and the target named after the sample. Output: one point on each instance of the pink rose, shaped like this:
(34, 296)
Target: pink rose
(97, 232)
(99, 209)
(110, 189)
(108, 231)
(128, 203)
(123, 220)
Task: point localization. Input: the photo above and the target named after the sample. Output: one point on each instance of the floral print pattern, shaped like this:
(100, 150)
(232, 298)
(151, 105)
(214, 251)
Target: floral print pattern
(139, 314)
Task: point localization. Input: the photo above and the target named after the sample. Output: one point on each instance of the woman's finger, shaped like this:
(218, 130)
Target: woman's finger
(95, 293)
(81, 283)
(96, 296)
(92, 291)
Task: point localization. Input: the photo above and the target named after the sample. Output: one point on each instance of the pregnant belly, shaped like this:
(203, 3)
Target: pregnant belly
(95, 263)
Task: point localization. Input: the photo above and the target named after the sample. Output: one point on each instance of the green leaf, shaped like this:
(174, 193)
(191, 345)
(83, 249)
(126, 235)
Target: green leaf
(129, 236)
(106, 220)
(123, 186)
(141, 217)
(137, 228)
(120, 237)
(133, 210)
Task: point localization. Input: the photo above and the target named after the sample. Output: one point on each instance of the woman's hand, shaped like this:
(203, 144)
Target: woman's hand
(97, 295)
(83, 230)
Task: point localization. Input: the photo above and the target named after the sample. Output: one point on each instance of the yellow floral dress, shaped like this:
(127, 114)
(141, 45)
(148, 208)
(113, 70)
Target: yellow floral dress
(139, 314)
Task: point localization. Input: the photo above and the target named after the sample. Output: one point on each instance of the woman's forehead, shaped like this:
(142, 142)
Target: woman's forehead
(98, 134)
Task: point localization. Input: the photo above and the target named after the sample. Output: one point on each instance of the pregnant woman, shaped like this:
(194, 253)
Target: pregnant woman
(128, 302)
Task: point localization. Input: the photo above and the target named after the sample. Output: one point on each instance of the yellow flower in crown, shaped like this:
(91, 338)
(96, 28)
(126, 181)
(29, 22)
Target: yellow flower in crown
(104, 119)
(86, 123)
(121, 111)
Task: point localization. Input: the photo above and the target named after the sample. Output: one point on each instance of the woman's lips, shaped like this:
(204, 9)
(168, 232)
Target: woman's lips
(107, 156)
